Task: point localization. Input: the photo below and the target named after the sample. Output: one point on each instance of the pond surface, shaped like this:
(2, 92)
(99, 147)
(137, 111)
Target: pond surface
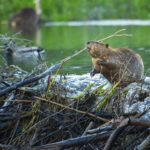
(64, 39)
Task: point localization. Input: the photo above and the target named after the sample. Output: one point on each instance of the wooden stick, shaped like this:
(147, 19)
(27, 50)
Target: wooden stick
(115, 35)
(88, 128)
(114, 135)
(84, 133)
(73, 109)
(97, 130)
(74, 141)
(112, 124)
(122, 125)
(30, 80)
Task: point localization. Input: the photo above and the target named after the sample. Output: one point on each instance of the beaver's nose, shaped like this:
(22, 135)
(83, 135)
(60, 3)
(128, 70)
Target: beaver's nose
(88, 42)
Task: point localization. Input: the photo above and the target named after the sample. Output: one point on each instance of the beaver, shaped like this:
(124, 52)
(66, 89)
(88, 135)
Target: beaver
(121, 64)
(25, 17)
(24, 20)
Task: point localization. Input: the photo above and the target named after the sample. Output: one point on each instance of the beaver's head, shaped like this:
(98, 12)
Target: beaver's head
(96, 49)
(24, 17)
(16, 21)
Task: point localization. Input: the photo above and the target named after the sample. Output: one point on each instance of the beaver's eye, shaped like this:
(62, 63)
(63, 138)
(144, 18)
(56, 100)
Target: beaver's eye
(107, 45)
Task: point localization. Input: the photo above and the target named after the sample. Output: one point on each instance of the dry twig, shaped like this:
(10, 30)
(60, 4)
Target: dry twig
(113, 136)
(115, 35)
(73, 109)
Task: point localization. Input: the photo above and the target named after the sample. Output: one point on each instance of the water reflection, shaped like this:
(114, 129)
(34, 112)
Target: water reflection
(30, 30)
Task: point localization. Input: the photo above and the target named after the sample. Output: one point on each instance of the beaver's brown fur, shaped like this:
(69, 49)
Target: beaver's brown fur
(25, 17)
(25, 20)
(121, 64)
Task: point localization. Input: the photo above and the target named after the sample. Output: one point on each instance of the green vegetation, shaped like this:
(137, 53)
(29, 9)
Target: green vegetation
(64, 10)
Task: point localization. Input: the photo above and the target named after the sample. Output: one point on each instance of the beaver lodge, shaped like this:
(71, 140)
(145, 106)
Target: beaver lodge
(46, 110)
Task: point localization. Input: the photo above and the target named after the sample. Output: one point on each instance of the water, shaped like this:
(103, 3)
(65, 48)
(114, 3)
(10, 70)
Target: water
(64, 39)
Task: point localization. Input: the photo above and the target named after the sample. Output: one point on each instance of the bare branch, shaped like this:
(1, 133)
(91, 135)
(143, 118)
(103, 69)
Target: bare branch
(73, 109)
(144, 145)
(74, 141)
(115, 35)
(113, 136)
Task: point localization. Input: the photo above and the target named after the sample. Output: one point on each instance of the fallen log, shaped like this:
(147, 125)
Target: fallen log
(74, 141)
(30, 80)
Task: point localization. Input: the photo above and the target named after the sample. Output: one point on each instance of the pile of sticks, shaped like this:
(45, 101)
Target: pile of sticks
(45, 120)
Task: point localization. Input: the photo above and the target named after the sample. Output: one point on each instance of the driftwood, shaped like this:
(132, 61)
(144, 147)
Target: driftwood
(75, 141)
(30, 80)
(100, 137)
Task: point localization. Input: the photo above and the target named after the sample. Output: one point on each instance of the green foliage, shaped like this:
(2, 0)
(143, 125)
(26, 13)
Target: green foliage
(105, 94)
(95, 9)
(64, 10)
(82, 93)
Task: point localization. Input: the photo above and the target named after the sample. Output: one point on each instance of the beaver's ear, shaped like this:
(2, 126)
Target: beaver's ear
(106, 45)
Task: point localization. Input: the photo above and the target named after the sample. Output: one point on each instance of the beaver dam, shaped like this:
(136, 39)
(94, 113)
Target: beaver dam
(47, 110)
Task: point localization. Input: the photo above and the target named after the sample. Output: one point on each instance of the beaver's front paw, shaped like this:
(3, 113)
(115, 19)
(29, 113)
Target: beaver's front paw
(100, 62)
(92, 74)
